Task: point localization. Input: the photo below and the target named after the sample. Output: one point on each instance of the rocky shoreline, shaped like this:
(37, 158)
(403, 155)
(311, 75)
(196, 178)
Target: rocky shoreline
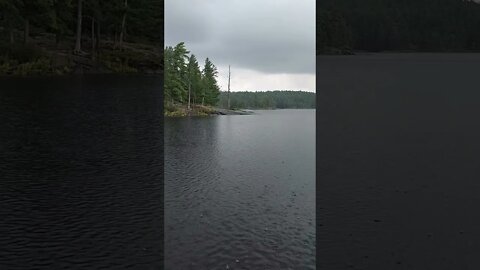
(181, 110)
(231, 112)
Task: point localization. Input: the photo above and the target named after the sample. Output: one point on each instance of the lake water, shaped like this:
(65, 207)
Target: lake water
(398, 151)
(240, 191)
(81, 172)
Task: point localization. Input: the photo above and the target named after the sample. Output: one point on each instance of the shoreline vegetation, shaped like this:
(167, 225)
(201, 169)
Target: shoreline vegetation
(244, 102)
(181, 110)
(192, 91)
(189, 90)
(339, 51)
(357, 26)
(39, 37)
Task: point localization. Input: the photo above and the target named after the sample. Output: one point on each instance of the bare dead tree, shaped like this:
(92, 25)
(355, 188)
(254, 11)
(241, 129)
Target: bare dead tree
(228, 93)
(78, 43)
(124, 19)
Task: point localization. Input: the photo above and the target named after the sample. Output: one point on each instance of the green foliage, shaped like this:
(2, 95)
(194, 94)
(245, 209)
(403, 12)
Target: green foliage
(40, 66)
(27, 60)
(195, 78)
(269, 100)
(36, 67)
(175, 72)
(5, 67)
(51, 25)
(211, 91)
(119, 66)
(174, 111)
(182, 72)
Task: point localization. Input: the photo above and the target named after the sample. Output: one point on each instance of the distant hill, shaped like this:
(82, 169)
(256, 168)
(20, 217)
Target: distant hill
(277, 99)
(344, 26)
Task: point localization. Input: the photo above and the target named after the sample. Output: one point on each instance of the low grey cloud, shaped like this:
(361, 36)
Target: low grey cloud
(267, 36)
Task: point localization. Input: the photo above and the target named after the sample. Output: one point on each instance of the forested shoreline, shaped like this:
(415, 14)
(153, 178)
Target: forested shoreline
(39, 37)
(346, 26)
(277, 99)
(188, 88)
(192, 90)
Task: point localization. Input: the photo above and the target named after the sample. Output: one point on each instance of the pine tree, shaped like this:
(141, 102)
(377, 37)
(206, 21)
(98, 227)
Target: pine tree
(210, 87)
(176, 73)
(195, 78)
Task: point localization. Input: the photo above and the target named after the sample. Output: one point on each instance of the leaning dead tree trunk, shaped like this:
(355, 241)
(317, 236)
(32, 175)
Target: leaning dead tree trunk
(124, 19)
(78, 43)
(228, 93)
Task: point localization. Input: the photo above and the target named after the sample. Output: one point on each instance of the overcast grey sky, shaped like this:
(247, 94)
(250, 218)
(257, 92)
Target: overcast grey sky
(270, 44)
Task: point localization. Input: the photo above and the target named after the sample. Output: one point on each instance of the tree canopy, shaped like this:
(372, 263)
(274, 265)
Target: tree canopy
(184, 79)
(277, 99)
(143, 20)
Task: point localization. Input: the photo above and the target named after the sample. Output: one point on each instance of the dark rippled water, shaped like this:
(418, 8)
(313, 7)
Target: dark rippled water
(240, 191)
(81, 173)
(398, 172)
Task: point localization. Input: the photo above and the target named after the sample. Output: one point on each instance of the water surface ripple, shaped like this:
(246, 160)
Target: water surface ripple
(81, 173)
(240, 191)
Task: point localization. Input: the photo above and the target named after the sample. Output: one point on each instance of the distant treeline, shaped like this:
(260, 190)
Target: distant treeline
(379, 25)
(269, 100)
(185, 83)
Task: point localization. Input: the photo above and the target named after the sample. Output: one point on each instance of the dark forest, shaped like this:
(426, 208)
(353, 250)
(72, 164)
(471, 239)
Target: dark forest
(40, 37)
(345, 26)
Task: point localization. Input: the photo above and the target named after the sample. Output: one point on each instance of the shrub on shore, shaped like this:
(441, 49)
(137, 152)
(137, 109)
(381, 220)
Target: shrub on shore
(26, 60)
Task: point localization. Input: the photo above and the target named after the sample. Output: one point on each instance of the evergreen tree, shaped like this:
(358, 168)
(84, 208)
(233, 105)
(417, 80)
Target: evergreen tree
(176, 74)
(195, 78)
(10, 12)
(184, 81)
(209, 81)
(39, 12)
